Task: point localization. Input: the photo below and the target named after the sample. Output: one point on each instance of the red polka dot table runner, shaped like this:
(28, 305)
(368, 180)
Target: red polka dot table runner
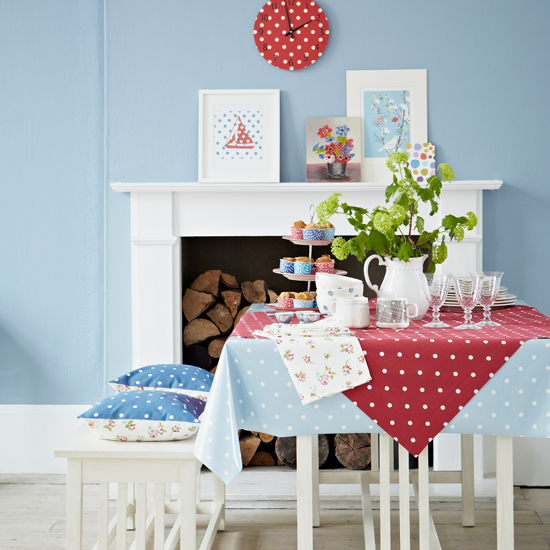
(421, 378)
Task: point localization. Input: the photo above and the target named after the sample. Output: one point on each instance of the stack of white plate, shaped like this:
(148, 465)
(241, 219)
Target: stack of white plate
(330, 287)
(504, 299)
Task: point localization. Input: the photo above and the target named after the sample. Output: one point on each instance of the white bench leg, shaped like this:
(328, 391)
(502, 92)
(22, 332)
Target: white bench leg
(103, 517)
(121, 514)
(160, 495)
(505, 493)
(188, 505)
(423, 498)
(131, 522)
(219, 498)
(74, 503)
(304, 471)
(368, 520)
(468, 490)
(386, 447)
(141, 516)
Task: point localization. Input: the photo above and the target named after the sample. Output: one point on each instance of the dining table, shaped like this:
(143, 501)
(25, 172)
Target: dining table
(425, 381)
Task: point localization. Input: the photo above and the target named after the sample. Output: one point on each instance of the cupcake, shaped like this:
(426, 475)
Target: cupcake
(324, 264)
(328, 231)
(312, 232)
(297, 230)
(303, 299)
(286, 265)
(286, 299)
(303, 265)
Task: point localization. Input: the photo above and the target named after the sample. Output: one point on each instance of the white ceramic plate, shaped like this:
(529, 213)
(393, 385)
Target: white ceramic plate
(303, 277)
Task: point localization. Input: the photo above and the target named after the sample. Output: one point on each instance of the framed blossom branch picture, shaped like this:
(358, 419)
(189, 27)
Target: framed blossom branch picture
(238, 136)
(393, 107)
(333, 149)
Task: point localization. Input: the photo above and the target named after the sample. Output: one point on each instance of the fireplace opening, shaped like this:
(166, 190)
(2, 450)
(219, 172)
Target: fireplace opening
(244, 260)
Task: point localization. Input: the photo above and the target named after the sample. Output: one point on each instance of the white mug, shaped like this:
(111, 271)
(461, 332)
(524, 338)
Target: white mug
(355, 311)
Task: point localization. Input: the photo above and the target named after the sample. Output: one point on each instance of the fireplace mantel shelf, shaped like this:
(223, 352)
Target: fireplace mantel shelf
(193, 187)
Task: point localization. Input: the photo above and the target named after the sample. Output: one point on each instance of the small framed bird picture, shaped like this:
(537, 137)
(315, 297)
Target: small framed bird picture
(393, 108)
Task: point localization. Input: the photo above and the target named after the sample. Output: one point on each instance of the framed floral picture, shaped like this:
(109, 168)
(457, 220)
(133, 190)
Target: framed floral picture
(238, 136)
(333, 149)
(393, 107)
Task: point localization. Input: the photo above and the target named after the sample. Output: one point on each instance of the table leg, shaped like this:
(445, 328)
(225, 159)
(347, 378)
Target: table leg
(505, 493)
(467, 467)
(404, 500)
(386, 448)
(315, 488)
(374, 462)
(305, 476)
(423, 501)
(368, 521)
(74, 503)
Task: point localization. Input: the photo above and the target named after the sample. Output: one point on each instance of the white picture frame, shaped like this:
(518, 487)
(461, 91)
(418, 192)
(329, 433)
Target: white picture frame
(239, 136)
(364, 87)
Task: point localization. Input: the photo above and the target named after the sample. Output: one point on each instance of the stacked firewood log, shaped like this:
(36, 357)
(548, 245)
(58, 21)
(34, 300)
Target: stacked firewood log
(212, 307)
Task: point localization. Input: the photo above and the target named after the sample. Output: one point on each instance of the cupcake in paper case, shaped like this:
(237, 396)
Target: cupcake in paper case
(297, 230)
(303, 265)
(286, 299)
(286, 265)
(303, 299)
(324, 264)
(312, 232)
(328, 231)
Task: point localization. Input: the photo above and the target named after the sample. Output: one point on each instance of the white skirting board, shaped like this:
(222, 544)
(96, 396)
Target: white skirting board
(31, 433)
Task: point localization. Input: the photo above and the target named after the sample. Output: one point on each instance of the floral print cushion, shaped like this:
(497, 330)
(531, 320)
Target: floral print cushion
(145, 416)
(184, 379)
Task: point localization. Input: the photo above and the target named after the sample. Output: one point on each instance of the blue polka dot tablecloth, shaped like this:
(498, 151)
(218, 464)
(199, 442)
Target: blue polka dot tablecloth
(252, 390)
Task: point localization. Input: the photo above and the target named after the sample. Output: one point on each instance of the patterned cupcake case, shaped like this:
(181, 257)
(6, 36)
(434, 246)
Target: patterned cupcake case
(313, 234)
(324, 267)
(297, 233)
(303, 303)
(286, 266)
(328, 233)
(303, 268)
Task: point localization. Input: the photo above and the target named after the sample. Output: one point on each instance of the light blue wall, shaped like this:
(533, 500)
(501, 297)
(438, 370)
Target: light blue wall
(488, 77)
(51, 201)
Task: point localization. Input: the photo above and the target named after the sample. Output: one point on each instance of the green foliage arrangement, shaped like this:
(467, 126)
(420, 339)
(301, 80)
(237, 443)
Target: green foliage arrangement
(397, 231)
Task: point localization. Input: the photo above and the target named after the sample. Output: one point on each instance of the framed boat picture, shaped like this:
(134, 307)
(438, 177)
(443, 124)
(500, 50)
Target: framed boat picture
(393, 107)
(238, 136)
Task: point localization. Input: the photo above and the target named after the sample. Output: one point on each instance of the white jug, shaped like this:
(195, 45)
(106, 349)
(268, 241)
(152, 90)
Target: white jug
(402, 280)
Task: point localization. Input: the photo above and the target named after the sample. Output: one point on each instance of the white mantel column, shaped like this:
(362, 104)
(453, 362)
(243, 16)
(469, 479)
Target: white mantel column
(156, 281)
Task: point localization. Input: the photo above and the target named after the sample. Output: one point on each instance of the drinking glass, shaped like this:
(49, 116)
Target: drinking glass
(435, 290)
(467, 293)
(490, 285)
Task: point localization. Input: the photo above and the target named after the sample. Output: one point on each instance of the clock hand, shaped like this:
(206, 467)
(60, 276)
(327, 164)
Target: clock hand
(303, 25)
(288, 20)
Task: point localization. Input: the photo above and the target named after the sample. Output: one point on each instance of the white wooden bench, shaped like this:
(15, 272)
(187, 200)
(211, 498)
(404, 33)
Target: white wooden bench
(132, 466)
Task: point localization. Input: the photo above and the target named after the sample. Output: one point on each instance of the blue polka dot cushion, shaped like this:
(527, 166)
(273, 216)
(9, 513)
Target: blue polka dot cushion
(184, 379)
(145, 416)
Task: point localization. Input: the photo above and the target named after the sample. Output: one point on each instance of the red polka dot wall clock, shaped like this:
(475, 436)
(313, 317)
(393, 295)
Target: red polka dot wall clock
(291, 34)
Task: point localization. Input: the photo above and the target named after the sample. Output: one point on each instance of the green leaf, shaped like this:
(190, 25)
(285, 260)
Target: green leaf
(435, 184)
(320, 151)
(376, 241)
(419, 224)
(341, 139)
(390, 190)
(405, 251)
(431, 268)
(403, 201)
(435, 207)
(449, 222)
(358, 246)
(426, 194)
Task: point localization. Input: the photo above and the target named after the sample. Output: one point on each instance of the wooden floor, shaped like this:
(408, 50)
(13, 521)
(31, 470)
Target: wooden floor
(32, 516)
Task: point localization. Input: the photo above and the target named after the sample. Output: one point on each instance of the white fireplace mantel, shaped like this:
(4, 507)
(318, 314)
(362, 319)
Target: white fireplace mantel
(163, 212)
